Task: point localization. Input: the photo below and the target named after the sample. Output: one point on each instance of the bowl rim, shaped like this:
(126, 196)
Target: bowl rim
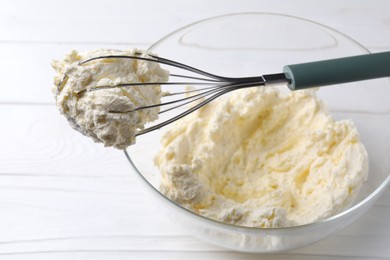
(233, 227)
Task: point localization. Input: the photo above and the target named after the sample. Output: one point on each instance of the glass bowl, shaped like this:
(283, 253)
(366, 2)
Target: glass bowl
(248, 44)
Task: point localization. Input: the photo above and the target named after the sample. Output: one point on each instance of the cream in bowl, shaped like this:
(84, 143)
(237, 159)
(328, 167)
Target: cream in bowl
(263, 158)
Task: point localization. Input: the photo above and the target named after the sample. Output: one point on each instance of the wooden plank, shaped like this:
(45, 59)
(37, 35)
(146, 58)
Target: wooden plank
(57, 214)
(147, 21)
(81, 210)
(64, 197)
(38, 140)
(72, 189)
(109, 221)
(96, 255)
(34, 33)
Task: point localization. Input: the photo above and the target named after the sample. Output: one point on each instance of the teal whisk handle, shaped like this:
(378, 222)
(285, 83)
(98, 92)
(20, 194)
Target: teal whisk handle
(335, 71)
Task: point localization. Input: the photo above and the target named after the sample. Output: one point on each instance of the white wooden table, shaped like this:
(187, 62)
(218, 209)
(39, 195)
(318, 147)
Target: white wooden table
(64, 197)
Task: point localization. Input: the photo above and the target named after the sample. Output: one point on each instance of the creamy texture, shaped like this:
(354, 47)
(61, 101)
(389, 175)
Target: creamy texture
(263, 158)
(86, 97)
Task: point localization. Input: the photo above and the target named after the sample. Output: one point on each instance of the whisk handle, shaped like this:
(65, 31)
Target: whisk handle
(336, 71)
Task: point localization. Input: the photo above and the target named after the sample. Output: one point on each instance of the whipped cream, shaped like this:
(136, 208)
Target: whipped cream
(263, 158)
(107, 114)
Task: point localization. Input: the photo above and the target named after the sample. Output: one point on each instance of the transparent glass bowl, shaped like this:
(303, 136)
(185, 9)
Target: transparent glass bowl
(249, 44)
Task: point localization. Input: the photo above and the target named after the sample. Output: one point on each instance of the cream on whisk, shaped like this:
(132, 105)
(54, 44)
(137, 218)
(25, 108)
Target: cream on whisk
(107, 115)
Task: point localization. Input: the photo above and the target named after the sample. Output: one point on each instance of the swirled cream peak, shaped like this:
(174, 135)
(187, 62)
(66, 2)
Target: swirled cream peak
(263, 158)
(86, 94)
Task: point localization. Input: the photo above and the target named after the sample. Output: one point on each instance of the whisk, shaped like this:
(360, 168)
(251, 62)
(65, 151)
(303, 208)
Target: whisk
(296, 77)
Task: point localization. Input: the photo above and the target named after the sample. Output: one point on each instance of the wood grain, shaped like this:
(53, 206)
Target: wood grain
(147, 21)
(38, 140)
(64, 197)
(83, 199)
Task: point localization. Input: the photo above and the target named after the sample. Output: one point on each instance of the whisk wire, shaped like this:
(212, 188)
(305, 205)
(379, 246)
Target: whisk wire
(216, 86)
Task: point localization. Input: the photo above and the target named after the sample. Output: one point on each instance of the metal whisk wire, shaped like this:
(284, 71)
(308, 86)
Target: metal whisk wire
(216, 86)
